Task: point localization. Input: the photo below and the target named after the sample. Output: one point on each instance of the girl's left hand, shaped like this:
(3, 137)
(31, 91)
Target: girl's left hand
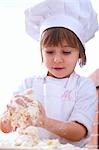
(42, 116)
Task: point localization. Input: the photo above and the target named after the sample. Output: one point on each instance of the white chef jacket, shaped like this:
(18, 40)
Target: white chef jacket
(66, 99)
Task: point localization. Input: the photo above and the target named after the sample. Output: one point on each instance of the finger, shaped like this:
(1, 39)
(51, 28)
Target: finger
(20, 101)
(26, 99)
(41, 108)
(10, 108)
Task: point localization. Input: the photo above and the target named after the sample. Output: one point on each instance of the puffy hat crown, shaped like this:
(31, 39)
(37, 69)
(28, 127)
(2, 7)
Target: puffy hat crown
(78, 16)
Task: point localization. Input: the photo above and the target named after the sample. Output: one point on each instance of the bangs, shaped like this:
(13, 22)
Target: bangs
(58, 36)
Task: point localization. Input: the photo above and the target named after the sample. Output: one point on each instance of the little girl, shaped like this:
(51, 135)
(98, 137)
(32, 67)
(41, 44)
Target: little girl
(67, 101)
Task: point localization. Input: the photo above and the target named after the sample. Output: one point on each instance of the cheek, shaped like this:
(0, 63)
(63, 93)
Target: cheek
(46, 59)
(73, 60)
(47, 62)
(75, 57)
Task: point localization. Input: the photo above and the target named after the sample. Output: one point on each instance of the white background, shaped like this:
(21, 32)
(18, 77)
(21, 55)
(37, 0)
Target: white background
(20, 55)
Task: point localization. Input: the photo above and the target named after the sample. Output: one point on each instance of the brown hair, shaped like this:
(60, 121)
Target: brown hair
(56, 35)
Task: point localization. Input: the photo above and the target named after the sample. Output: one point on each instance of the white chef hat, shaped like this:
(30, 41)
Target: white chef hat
(78, 16)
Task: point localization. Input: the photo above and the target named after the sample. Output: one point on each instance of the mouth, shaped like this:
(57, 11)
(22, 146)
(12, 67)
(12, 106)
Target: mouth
(58, 68)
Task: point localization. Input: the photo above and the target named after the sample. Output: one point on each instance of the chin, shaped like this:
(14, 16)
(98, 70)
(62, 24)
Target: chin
(60, 76)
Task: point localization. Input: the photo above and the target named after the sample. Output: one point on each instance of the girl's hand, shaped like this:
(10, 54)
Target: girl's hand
(5, 124)
(25, 101)
(42, 116)
(30, 110)
(9, 121)
(6, 118)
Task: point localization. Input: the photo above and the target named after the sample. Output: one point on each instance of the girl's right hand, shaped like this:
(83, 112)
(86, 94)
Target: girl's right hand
(5, 124)
(5, 120)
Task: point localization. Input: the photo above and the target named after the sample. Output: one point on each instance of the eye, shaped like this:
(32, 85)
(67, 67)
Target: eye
(49, 52)
(66, 52)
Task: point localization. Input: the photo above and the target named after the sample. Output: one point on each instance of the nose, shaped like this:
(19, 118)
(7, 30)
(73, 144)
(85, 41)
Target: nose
(58, 58)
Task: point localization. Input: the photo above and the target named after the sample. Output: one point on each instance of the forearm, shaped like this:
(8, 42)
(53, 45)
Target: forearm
(69, 130)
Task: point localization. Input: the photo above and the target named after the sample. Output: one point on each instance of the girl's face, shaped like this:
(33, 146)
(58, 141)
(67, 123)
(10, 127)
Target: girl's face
(60, 60)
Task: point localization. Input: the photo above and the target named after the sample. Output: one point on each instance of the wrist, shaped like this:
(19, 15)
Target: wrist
(44, 123)
(47, 122)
